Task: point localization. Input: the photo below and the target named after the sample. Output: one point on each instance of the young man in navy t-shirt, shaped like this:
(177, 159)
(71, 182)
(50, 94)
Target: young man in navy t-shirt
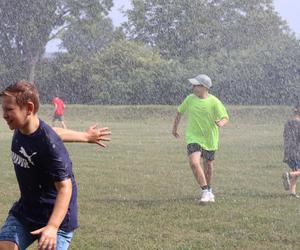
(47, 208)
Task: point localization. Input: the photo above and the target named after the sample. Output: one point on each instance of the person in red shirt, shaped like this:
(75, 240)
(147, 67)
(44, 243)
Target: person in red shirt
(58, 111)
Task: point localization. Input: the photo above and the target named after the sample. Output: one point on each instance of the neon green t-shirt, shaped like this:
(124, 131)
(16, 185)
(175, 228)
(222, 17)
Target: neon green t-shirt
(202, 114)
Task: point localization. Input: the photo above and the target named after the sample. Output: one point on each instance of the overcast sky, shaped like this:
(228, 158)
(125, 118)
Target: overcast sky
(289, 10)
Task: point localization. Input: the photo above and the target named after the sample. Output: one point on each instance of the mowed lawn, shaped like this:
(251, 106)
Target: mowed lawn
(139, 193)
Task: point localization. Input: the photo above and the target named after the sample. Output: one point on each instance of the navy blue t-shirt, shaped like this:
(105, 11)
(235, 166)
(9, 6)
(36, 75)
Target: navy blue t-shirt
(41, 159)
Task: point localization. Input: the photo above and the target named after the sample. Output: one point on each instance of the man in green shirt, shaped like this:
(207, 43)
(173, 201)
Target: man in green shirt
(206, 114)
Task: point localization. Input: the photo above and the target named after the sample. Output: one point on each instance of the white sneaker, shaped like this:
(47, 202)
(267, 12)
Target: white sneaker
(211, 197)
(205, 197)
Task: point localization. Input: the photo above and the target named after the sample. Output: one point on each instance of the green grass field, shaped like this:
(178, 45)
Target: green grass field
(140, 193)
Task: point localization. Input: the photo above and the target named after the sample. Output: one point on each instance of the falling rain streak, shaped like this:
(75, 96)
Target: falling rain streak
(246, 48)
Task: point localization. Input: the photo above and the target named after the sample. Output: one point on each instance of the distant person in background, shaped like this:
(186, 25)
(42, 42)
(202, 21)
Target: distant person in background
(291, 142)
(206, 114)
(47, 208)
(59, 108)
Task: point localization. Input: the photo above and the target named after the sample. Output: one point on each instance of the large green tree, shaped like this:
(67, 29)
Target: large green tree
(246, 48)
(200, 28)
(89, 35)
(133, 73)
(28, 25)
(125, 72)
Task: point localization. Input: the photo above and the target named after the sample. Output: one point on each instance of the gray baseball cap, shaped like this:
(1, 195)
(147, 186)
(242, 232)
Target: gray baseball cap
(201, 80)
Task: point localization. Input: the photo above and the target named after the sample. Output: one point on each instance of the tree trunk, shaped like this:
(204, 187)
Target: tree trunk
(32, 65)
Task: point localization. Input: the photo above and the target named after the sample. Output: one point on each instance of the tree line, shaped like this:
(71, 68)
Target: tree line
(246, 48)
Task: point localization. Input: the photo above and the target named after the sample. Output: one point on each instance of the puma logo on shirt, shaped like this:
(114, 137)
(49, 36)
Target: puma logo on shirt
(19, 160)
(28, 157)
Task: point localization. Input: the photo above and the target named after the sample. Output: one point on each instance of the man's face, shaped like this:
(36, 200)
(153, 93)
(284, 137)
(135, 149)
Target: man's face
(14, 115)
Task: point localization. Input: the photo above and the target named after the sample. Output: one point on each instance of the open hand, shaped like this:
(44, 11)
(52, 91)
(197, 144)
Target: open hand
(48, 236)
(175, 134)
(98, 135)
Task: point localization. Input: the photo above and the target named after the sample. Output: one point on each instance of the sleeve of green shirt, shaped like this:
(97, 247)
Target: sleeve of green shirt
(183, 106)
(220, 111)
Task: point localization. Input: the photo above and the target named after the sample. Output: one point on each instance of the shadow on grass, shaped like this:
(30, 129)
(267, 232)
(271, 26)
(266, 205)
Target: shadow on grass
(149, 202)
(254, 194)
(222, 197)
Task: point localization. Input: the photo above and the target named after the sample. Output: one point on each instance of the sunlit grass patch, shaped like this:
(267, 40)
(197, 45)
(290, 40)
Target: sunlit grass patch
(139, 193)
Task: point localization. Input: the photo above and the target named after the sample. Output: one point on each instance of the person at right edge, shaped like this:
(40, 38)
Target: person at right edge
(206, 114)
(291, 142)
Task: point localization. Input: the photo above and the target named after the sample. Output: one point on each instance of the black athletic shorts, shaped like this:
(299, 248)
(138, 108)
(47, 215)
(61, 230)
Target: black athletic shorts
(195, 147)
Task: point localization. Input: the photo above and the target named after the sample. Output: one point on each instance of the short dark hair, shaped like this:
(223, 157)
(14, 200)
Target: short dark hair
(24, 92)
